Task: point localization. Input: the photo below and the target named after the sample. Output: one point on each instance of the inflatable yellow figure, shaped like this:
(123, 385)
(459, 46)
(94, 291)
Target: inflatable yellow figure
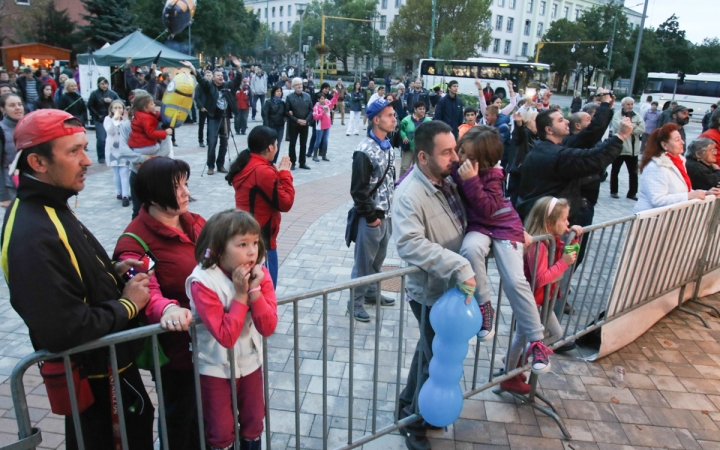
(178, 99)
(177, 15)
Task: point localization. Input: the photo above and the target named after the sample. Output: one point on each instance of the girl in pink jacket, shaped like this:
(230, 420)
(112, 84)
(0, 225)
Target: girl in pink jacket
(321, 114)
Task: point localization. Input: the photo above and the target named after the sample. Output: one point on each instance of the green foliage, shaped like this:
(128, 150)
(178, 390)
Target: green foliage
(219, 27)
(678, 50)
(108, 21)
(345, 38)
(46, 25)
(707, 55)
(598, 23)
(446, 49)
(559, 56)
(461, 21)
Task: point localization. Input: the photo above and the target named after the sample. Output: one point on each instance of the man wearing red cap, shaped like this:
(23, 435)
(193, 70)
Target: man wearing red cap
(62, 282)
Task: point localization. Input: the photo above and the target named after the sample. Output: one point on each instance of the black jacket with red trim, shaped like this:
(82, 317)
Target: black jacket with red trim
(61, 279)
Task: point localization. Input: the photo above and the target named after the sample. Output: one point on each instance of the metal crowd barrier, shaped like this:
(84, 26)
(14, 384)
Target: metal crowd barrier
(615, 278)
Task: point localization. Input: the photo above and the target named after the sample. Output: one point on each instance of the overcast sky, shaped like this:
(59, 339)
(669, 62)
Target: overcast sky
(696, 20)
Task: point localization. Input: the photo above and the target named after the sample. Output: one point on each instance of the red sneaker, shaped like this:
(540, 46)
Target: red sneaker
(516, 385)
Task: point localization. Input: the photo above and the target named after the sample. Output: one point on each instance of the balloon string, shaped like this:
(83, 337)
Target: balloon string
(122, 66)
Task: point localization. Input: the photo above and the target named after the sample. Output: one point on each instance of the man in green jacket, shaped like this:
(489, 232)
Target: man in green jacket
(407, 134)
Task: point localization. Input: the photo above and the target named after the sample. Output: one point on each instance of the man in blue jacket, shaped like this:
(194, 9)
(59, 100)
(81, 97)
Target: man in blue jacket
(450, 108)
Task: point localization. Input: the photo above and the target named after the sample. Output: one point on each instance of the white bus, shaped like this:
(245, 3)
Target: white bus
(697, 92)
(531, 77)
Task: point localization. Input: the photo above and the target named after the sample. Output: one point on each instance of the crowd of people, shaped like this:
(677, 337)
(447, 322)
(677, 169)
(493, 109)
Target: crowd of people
(471, 180)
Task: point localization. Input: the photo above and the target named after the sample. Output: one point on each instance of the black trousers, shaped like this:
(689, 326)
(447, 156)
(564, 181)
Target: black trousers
(96, 421)
(180, 409)
(136, 203)
(408, 402)
(294, 132)
(632, 166)
(201, 126)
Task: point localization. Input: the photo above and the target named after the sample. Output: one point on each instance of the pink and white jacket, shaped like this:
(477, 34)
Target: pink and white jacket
(321, 116)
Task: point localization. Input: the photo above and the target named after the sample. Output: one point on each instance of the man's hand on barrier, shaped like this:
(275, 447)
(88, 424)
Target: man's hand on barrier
(570, 258)
(696, 194)
(176, 318)
(625, 128)
(136, 290)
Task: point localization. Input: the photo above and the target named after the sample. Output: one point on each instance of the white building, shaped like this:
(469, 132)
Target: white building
(517, 25)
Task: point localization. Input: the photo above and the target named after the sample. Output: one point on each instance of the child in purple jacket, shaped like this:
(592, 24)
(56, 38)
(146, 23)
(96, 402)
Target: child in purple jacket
(492, 220)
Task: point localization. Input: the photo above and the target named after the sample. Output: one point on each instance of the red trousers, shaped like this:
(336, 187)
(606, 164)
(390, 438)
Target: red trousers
(217, 408)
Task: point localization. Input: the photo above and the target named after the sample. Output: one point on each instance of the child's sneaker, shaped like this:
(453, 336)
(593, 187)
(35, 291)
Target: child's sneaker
(486, 331)
(540, 355)
(515, 384)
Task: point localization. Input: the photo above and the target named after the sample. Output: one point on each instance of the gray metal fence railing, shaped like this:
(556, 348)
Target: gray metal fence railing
(627, 263)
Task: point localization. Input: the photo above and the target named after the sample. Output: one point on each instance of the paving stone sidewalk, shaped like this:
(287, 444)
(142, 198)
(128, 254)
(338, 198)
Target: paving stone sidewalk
(672, 393)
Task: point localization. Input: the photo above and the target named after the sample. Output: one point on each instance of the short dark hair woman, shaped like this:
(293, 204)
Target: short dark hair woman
(170, 232)
(273, 115)
(262, 189)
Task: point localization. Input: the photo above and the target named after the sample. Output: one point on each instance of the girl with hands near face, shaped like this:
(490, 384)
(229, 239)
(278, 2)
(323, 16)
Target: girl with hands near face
(233, 295)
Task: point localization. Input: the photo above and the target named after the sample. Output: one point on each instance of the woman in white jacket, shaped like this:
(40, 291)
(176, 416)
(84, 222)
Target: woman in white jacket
(664, 179)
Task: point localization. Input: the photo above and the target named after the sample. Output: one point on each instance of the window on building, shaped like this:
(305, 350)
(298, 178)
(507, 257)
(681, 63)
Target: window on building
(281, 11)
(510, 24)
(488, 22)
(577, 13)
(273, 11)
(281, 27)
(398, 3)
(383, 22)
(501, 3)
(289, 10)
(526, 30)
(566, 12)
(289, 28)
(498, 23)
(529, 6)
(23, 2)
(383, 4)
(554, 11)
(542, 8)
(266, 13)
(523, 52)
(540, 29)
(273, 26)
(511, 4)
(485, 49)
(496, 45)
(508, 44)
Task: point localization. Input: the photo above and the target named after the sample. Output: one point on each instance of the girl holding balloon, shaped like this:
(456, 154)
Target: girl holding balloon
(493, 220)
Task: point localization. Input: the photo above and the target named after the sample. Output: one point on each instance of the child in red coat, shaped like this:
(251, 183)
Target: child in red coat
(145, 137)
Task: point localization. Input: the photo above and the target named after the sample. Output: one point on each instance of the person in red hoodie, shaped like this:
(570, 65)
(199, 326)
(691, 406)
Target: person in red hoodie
(144, 134)
(262, 189)
(169, 231)
(243, 105)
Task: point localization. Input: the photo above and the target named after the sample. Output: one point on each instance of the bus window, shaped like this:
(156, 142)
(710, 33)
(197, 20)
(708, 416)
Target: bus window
(689, 87)
(653, 85)
(428, 68)
(668, 86)
(708, 89)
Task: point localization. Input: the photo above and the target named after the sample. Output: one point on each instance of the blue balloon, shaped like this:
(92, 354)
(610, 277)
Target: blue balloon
(450, 351)
(440, 405)
(450, 316)
(444, 374)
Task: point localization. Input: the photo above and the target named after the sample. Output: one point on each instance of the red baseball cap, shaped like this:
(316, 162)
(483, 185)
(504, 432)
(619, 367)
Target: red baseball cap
(42, 126)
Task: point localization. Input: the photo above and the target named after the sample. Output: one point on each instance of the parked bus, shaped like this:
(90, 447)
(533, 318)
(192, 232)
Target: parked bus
(698, 92)
(531, 77)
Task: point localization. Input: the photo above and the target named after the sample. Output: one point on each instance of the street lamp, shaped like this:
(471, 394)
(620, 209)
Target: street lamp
(310, 39)
(300, 8)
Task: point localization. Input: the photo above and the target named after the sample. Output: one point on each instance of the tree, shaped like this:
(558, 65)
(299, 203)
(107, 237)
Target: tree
(678, 50)
(465, 21)
(599, 23)
(707, 56)
(219, 27)
(651, 59)
(345, 38)
(108, 21)
(560, 57)
(46, 25)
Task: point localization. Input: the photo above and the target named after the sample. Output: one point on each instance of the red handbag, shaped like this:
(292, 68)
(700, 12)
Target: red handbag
(53, 374)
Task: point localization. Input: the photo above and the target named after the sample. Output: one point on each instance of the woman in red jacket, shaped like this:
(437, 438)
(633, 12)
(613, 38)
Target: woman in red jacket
(169, 231)
(262, 189)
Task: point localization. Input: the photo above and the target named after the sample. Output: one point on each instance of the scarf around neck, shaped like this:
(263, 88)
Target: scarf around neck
(680, 164)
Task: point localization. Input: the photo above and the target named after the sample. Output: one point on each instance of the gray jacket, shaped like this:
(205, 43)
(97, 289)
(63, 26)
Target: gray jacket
(8, 190)
(427, 236)
(258, 84)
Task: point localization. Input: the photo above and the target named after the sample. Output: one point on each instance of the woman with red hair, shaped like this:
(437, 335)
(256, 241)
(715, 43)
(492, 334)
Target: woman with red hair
(664, 178)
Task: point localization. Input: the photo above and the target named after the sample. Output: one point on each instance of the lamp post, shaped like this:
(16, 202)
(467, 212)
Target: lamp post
(267, 27)
(300, 8)
(309, 45)
(637, 49)
(432, 28)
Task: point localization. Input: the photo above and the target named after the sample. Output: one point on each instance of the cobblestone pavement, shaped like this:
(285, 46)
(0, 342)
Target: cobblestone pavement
(672, 393)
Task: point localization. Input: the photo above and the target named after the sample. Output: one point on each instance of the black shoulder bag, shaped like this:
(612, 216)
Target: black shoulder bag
(351, 228)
